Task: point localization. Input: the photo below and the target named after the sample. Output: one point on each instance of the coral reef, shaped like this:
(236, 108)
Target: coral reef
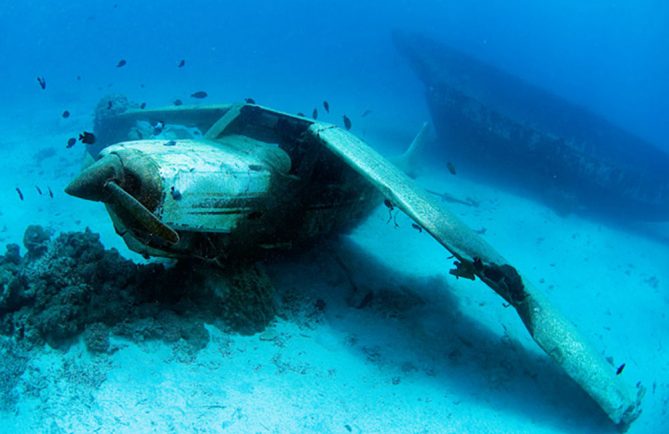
(71, 286)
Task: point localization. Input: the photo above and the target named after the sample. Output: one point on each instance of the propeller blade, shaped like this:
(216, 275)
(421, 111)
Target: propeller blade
(135, 214)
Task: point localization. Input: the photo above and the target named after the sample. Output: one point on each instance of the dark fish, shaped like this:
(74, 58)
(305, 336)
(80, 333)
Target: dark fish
(42, 82)
(620, 369)
(109, 105)
(87, 138)
(314, 114)
(181, 64)
(451, 168)
(71, 142)
(300, 114)
(170, 143)
(142, 106)
(177, 102)
(121, 63)
(18, 190)
(388, 204)
(347, 122)
(78, 77)
(50, 192)
(365, 113)
(199, 94)
(250, 100)
(326, 106)
(39, 190)
(66, 114)
(415, 226)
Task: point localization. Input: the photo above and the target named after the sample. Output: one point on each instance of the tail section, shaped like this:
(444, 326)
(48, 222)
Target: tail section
(408, 161)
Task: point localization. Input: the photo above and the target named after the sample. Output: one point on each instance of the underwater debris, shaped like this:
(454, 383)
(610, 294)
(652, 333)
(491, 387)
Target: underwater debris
(176, 194)
(42, 82)
(158, 127)
(121, 63)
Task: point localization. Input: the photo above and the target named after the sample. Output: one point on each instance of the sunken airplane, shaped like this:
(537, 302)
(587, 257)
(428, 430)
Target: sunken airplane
(225, 183)
(523, 136)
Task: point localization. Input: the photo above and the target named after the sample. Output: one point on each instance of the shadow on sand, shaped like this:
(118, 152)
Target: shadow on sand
(414, 327)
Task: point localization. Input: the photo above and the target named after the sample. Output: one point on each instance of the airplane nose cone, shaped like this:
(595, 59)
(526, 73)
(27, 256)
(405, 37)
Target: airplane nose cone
(90, 183)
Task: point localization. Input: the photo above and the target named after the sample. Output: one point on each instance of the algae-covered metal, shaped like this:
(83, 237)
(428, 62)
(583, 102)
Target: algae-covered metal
(252, 179)
(520, 134)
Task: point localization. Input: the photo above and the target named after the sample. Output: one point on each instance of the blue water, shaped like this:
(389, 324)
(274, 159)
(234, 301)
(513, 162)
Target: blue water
(610, 57)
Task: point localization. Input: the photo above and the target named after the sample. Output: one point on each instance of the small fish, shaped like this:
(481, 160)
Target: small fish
(365, 113)
(18, 191)
(199, 94)
(109, 105)
(314, 114)
(250, 100)
(39, 190)
(170, 143)
(451, 168)
(177, 102)
(181, 64)
(326, 106)
(50, 192)
(78, 77)
(121, 63)
(388, 204)
(347, 122)
(66, 114)
(415, 226)
(71, 142)
(620, 369)
(300, 114)
(142, 106)
(42, 82)
(87, 138)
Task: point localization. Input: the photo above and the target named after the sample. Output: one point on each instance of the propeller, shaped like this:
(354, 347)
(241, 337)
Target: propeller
(103, 181)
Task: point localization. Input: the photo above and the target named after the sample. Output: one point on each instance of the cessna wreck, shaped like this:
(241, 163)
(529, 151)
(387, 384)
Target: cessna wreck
(233, 181)
(520, 135)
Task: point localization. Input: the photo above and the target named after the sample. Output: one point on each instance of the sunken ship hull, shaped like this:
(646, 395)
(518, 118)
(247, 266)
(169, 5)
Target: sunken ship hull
(515, 133)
